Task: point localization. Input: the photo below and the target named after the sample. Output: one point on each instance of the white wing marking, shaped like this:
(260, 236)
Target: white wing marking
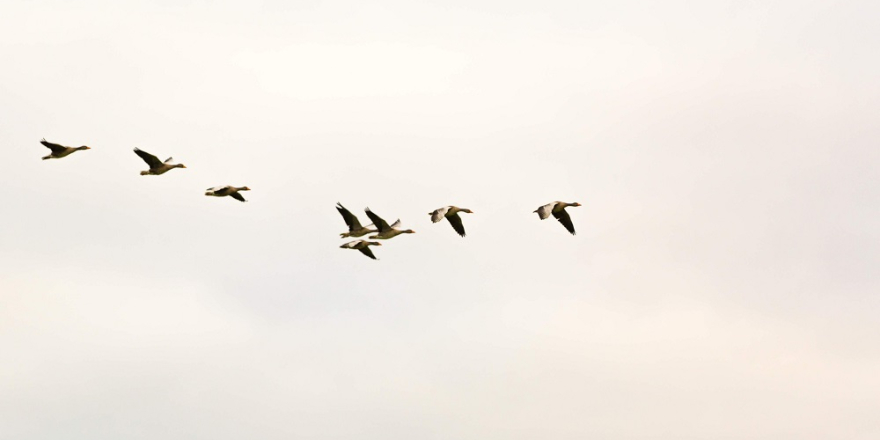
(438, 214)
(546, 210)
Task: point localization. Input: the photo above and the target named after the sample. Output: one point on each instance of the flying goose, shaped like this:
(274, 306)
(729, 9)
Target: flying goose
(354, 226)
(228, 190)
(385, 231)
(156, 167)
(59, 151)
(451, 214)
(558, 211)
(363, 246)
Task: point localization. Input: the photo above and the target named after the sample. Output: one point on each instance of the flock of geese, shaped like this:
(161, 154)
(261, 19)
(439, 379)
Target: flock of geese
(379, 227)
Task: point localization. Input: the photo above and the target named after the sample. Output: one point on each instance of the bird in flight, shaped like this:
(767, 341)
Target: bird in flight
(363, 246)
(385, 231)
(354, 225)
(59, 151)
(228, 190)
(157, 167)
(450, 213)
(557, 209)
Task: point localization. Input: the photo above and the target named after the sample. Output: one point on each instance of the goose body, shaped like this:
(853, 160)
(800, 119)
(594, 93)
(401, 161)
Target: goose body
(59, 151)
(363, 246)
(557, 210)
(228, 190)
(385, 231)
(157, 167)
(354, 225)
(450, 213)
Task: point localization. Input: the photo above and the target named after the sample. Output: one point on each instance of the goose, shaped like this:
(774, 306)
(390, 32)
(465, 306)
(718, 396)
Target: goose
(451, 214)
(363, 246)
(156, 167)
(228, 190)
(385, 231)
(59, 151)
(354, 226)
(558, 211)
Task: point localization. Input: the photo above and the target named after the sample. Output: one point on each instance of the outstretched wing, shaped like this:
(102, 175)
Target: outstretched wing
(438, 214)
(565, 219)
(350, 219)
(351, 244)
(237, 196)
(545, 210)
(169, 159)
(366, 251)
(380, 224)
(456, 223)
(396, 224)
(151, 160)
(54, 147)
(222, 190)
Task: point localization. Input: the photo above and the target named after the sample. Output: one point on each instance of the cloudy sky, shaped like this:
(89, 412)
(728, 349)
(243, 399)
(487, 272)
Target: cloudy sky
(723, 283)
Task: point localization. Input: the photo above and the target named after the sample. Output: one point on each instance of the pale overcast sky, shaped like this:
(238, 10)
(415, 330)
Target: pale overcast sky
(723, 283)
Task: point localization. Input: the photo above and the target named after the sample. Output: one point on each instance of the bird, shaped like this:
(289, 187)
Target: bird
(451, 214)
(156, 167)
(363, 246)
(228, 190)
(354, 225)
(59, 151)
(558, 211)
(385, 231)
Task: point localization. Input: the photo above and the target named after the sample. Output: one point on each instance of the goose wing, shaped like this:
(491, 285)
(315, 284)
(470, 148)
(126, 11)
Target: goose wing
(151, 160)
(169, 160)
(380, 224)
(545, 210)
(54, 147)
(237, 196)
(366, 251)
(438, 214)
(456, 223)
(353, 223)
(565, 219)
(351, 244)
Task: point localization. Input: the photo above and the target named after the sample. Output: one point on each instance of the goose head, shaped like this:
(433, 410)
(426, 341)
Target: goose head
(407, 231)
(466, 210)
(83, 148)
(244, 188)
(573, 204)
(180, 165)
(145, 173)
